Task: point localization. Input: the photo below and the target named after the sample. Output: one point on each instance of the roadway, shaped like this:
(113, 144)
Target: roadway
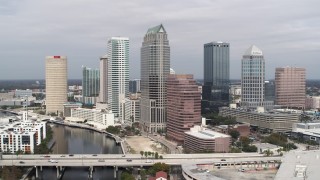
(129, 160)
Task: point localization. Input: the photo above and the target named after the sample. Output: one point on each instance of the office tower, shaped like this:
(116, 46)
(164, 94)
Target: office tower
(184, 105)
(56, 83)
(269, 90)
(134, 86)
(155, 68)
(216, 76)
(291, 87)
(253, 79)
(103, 94)
(90, 85)
(118, 73)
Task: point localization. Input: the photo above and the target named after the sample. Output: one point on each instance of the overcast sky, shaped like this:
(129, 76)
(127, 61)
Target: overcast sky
(287, 31)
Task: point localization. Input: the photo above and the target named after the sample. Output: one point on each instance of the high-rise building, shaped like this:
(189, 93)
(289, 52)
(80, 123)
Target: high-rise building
(90, 84)
(134, 86)
(269, 90)
(216, 76)
(253, 79)
(56, 83)
(155, 68)
(184, 105)
(291, 87)
(103, 94)
(118, 73)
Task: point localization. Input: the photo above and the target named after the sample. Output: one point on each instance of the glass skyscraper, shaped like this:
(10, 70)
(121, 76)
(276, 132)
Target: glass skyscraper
(155, 68)
(90, 84)
(118, 73)
(216, 76)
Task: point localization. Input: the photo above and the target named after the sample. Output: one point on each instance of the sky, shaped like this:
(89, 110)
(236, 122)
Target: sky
(287, 31)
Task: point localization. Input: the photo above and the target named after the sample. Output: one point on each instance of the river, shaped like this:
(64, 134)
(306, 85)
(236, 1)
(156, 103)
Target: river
(80, 141)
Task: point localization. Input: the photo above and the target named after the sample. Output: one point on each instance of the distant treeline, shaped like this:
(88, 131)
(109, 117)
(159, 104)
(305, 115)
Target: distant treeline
(30, 84)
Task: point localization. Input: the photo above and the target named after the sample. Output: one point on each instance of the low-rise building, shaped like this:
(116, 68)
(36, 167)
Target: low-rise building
(269, 121)
(312, 102)
(21, 136)
(68, 106)
(102, 116)
(200, 139)
(307, 131)
(262, 147)
(19, 93)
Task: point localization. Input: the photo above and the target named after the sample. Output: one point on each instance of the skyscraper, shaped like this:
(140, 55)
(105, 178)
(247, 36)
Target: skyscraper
(184, 105)
(253, 79)
(118, 73)
(56, 83)
(216, 76)
(103, 94)
(134, 86)
(90, 85)
(155, 68)
(291, 87)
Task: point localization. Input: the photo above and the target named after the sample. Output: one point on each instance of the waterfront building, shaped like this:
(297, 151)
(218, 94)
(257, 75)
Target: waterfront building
(118, 73)
(273, 121)
(134, 86)
(103, 95)
(101, 117)
(200, 139)
(68, 106)
(90, 85)
(22, 136)
(216, 76)
(290, 87)
(253, 79)
(155, 67)
(183, 105)
(56, 83)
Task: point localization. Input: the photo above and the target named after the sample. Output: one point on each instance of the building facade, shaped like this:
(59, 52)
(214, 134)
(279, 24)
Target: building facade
(103, 117)
(103, 95)
(253, 79)
(90, 84)
(312, 102)
(199, 139)
(290, 83)
(184, 105)
(56, 83)
(118, 73)
(155, 68)
(216, 76)
(134, 86)
(265, 121)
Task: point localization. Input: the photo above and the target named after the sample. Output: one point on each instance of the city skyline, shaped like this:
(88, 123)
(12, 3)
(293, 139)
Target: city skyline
(288, 38)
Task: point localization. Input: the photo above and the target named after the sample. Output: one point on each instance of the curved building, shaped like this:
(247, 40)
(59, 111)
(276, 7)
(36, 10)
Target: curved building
(56, 83)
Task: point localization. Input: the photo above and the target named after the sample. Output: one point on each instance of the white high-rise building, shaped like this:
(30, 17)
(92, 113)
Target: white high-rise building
(253, 79)
(56, 83)
(103, 95)
(118, 73)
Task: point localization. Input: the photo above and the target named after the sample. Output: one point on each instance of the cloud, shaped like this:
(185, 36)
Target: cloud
(287, 31)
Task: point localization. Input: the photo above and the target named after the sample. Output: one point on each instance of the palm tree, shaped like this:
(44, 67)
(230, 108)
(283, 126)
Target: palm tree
(141, 152)
(149, 153)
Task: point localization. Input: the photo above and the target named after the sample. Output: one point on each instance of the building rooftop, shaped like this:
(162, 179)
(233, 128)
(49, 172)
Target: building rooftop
(156, 29)
(204, 133)
(299, 165)
(253, 51)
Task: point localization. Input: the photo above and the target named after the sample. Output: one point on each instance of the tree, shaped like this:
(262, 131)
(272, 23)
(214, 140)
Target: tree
(156, 155)
(146, 154)
(127, 176)
(234, 134)
(159, 167)
(113, 130)
(267, 152)
(244, 140)
(149, 153)
(152, 154)
(141, 152)
(160, 157)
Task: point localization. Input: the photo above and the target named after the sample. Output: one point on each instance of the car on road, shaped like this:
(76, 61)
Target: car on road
(62, 156)
(21, 162)
(94, 155)
(241, 170)
(71, 155)
(124, 155)
(53, 161)
(129, 160)
(100, 160)
(223, 159)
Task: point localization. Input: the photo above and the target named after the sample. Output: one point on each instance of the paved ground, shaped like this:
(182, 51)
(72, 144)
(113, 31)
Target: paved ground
(141, 143)
(234, 174)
